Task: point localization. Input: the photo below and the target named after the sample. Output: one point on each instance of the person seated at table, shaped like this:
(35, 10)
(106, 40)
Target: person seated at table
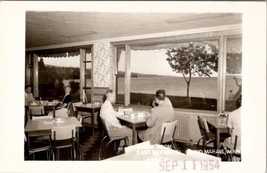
(166, 99)
(113, 125)
(234, 125)
(67, 98)
(28, 95)
(161, 113)
(62, 110)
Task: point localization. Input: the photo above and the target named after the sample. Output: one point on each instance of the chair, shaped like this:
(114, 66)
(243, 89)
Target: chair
(167, 132)
(232, 152)
(207, 136)
(105, 136)
(72, 113)
(83, 115)
(36, 111)
(98, 94)
(63, 137)
(33, 146)
(71, 110)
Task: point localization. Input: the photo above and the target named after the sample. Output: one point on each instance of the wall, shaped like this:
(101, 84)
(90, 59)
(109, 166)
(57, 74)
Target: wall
(102, 65)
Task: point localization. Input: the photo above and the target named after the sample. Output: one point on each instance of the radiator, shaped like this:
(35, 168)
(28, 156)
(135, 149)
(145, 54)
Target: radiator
(183, 128)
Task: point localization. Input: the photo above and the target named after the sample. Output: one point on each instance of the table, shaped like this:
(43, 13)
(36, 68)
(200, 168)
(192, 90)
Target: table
(133, 122)
(49, 106)
(90, 108)
(220, 128)
(44, 126)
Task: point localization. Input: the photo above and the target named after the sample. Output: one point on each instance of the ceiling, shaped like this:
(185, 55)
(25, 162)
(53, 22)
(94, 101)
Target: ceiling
(55, 28)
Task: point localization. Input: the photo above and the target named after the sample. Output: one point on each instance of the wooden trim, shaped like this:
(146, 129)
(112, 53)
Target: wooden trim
(28, 68)
(87, 88)
(35, 76)
(92, 72)
(221, 74)
(127, 75)
(82, 72)
(87, 61)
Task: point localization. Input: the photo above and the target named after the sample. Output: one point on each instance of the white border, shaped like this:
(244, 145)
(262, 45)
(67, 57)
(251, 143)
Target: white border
(12, 49)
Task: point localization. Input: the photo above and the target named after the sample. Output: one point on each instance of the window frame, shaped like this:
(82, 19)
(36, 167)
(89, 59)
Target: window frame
(221, 37)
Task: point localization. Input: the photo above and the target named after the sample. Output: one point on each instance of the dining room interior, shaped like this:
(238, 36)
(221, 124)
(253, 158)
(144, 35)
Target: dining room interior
(196, 58)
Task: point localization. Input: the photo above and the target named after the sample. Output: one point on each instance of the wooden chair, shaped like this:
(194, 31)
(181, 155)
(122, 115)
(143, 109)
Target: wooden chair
(98, 94)
(167, 133)
(63, 137)
(36, 146)
(110, 139)
(83, 115)
(207, 136)
(36, 111)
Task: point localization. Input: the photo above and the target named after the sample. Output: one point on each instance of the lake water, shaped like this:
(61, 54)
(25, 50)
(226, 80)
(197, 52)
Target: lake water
(202, 87)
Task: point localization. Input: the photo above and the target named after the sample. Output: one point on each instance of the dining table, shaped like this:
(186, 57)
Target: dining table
(134, 120)
(40, 127)
(48, 106)
(219, 128)
(91, 108)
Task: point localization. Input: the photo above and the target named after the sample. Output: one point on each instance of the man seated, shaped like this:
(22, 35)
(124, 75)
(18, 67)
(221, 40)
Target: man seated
(234, 125)
(161, 113)
(114, 127)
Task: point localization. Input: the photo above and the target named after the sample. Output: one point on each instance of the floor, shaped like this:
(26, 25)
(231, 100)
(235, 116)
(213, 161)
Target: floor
(91, 145)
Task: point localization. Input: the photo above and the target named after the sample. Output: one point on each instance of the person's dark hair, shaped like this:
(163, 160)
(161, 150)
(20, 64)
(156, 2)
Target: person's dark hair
(27, 86)
(160, 94)
(108, 91)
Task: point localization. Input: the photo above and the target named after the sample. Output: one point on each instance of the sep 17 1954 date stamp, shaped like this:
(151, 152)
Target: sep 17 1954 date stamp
(202, 165)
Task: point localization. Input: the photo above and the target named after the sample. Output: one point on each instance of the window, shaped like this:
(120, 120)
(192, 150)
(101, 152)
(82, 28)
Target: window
(151, 70)
(233, 81)
(120, 82)
(87, 76)
(55, 74)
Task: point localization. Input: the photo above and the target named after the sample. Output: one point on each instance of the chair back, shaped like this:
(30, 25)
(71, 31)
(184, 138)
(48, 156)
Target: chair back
(104, 127)
(203, 126)
(168, 131)
(98, 94)
(63, 132)
(71, 112)
(36, 110)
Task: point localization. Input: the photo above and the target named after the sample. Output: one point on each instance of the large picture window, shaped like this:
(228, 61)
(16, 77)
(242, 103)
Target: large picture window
(188, 71)
(233, 72)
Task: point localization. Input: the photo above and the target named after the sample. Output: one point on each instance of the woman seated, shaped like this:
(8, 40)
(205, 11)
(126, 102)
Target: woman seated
(161, 112)
(62, 109)
(28, 95)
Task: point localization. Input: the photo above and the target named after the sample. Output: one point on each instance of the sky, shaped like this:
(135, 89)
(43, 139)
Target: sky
(142, 61)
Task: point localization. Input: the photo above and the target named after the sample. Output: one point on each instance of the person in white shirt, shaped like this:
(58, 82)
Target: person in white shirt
(113, 125)
(28, 95)
(234, 124)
